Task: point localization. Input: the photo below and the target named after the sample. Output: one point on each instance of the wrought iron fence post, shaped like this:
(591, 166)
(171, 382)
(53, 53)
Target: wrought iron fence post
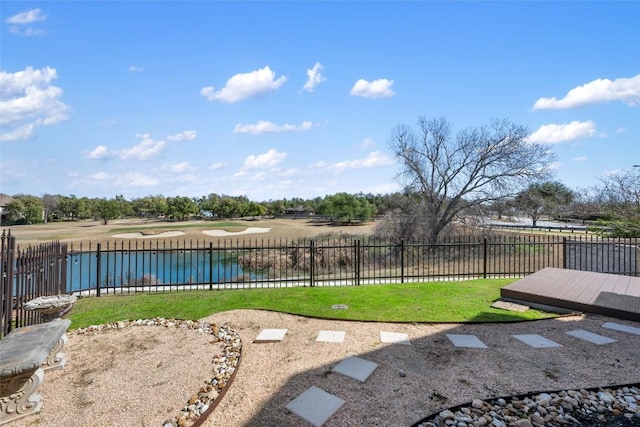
(210, 266)
(564, 252)
(402, 260)
(311, 262)
(98, 267)
(357, 262)
(484, 257)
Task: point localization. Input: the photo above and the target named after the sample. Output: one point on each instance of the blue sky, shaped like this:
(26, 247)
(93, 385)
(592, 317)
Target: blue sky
(298, 99)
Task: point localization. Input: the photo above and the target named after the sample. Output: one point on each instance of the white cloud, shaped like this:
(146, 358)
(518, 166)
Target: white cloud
(28, 17)
(22, 20)
(264, 126)
(243, 86)
(314, 77)
(597, 91)
(373, 160)
(100, 152)
(267, 160)
(187, 177)
(217, 165)
(187, 135)
(181, 167)
(136, 180)
(147, 149)
(28, 100)
(621, 130)
(136, 69)
(380, 88)
(556, 133)
(100, 176)
(580, 159)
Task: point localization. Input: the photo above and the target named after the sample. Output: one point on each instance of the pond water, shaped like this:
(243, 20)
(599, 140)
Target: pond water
(151, 268)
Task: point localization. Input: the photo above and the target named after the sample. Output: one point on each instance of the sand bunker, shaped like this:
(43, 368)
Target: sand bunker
(139, 235)
(250, 230)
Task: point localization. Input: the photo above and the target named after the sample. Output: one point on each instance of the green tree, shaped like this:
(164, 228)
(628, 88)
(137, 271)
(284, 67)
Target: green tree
(25, 209)
(475, 166)
(182, 207)
(546, 198)
(344, 207)
(106, 210)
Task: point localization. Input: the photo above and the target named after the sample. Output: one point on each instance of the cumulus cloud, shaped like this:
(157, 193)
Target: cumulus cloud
(146, 149)
(217, 165)
(29, 100)
(314, 77)
(20, 23)
(28, 17)
(181, 167)
(373, 160)
(244, 86)
(100, 176)
(625, 90)
(380, 88)
(264, 126)
(136, 69)
(556, 133)
(267, 160)
(187, 135)
(100, 152)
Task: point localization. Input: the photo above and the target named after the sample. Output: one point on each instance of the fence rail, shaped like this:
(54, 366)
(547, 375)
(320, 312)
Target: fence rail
(141, 266)
(134, 266)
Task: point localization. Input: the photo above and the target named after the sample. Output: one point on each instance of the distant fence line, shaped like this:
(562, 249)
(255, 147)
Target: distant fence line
(136, 266)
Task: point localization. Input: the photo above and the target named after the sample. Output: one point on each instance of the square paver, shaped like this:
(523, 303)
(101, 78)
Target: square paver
(536, 341)
(470, 341)
(271, 335)
(356, 368)
(590, 336)
(315, 405)
(330, 336)
(623, 328)
(394, 338)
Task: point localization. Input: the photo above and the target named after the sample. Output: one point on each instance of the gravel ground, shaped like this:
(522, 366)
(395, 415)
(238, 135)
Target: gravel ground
(144, 376)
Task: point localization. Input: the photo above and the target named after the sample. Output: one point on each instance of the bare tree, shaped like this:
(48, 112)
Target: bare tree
(478, 165)
(620, 198)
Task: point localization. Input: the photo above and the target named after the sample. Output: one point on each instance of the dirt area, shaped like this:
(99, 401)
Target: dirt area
(95, 232)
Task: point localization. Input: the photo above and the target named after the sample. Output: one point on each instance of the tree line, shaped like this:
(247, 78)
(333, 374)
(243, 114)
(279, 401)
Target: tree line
(447, 178)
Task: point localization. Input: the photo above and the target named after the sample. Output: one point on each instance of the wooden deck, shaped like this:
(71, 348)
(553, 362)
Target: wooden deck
(609, 294)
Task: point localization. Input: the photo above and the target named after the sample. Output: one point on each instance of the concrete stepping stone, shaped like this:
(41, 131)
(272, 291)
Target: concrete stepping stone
(469, 341)
(623, 328)
(330, 336)
(271, 335)
(590, 336)
(315, 405)
(536, 341)
(394, 338)
(356, 368)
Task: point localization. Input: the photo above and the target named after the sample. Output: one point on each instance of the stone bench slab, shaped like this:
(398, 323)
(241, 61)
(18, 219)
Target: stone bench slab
(28, 347)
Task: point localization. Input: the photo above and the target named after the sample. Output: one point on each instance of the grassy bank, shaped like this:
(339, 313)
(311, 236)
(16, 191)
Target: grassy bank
(467, 301)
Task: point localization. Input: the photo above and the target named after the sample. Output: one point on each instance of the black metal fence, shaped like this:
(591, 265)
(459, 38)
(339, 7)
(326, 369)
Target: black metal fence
(140, 266)
(27, 274)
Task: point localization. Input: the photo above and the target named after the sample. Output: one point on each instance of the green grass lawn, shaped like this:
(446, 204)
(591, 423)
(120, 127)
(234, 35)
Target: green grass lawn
(467, 301)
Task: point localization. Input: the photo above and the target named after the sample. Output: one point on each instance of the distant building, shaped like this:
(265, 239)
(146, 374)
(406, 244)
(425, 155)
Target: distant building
(5, 199)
